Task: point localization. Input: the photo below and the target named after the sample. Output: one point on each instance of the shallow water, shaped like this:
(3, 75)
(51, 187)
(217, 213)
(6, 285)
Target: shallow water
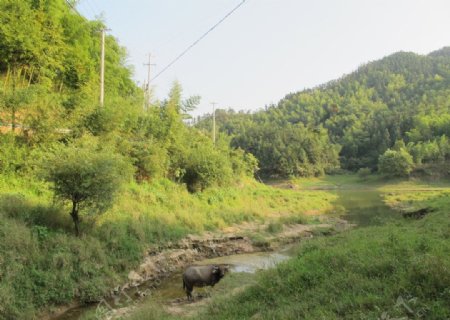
(171, 288)
(360, 207)
(364, 207)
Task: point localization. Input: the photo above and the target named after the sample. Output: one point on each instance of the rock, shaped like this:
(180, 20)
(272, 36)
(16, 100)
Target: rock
(115, 291)
(418, 214)
(134, 278)
(140, 294)
(147, 268)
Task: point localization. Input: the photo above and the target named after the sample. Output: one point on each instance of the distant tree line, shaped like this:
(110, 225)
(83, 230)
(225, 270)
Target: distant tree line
(353, 121)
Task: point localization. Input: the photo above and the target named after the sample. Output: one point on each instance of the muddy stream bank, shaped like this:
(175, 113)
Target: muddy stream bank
(159, 275)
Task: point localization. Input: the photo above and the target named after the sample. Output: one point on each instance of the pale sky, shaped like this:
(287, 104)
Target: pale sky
(267, 48)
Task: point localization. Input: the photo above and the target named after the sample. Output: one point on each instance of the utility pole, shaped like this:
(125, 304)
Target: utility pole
(214, 122)
(144, 90)
(147, 90)
(102, 68)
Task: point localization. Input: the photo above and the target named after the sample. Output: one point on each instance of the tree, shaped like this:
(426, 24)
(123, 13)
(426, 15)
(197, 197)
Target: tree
(86, 178)
(396, 163)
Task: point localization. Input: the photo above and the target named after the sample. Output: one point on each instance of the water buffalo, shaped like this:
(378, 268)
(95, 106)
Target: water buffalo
(200, 276)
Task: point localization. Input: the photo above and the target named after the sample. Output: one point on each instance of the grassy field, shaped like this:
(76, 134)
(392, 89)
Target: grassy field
(399, 270)
(42, 264)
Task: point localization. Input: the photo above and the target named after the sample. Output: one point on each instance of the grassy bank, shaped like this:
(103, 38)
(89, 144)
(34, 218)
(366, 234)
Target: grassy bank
(43, 264)
(392, 271)
(399, 270)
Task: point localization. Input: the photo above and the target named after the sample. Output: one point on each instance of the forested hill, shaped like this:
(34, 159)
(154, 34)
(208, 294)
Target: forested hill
(49, 98)
(50, 64)
(403, 98)
(115, 175)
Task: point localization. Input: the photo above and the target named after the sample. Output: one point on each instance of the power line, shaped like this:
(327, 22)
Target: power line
(74, 9)
(102, 54)
(200, 24)
(198, 40)
(90, 8)
(96, 9)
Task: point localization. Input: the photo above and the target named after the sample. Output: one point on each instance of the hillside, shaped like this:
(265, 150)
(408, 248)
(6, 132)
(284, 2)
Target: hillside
(89, 189)
(85, 188)
(402, 97)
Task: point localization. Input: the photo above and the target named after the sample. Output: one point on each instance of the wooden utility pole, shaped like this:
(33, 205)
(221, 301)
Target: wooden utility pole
(144, 90)
(147, 88)
(102, 70)
(214, 122)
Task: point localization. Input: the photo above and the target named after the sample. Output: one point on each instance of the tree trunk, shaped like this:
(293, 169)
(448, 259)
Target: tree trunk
(75, 218)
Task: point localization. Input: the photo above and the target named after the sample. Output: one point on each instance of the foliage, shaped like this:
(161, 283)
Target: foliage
(205, 167)
(12, 156)
(274, 227)
(363, 173)
(291, 150)
(395, 163)
(85, 177)
(42, 264)
(404, 96)
(397, 270)
(49, 111)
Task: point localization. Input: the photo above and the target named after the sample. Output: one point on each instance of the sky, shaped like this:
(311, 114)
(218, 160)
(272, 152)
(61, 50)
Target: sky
(267, 48)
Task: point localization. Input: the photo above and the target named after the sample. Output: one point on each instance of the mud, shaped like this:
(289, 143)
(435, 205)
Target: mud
(164, 261)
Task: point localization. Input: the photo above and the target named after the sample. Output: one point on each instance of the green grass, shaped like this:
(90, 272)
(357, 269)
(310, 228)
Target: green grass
(42, 264)
(391, 271)
(274, 227)
(231, 284)
(359, 274)
(341, 181)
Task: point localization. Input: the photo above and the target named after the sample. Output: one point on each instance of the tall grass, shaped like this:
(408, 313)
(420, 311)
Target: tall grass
(165, 205)
(399, 270)
(43, 264)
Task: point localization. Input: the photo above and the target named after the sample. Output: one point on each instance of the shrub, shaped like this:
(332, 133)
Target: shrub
(150, 159)
(274, 227)
(206, 167)
(86, 178)
(364, 172)
(17, 207)
(243, 163)
(396, 163)
(12, 154)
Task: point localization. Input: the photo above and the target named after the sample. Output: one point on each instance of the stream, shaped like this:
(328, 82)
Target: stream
(360, 207)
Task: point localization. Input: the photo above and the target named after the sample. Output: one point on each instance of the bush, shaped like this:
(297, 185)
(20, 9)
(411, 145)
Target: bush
(12, 154)
(150, 159)
(206, 167)
(363, 173)
(243, 163)
(396, 163)
(15, 206)
(274, 227)
(86, 178)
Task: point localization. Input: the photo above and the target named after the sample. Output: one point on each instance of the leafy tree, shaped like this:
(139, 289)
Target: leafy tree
(150, 159)
(289, 150)
(402, 97)
(206, 167)
(395, 163)
(86, 178)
